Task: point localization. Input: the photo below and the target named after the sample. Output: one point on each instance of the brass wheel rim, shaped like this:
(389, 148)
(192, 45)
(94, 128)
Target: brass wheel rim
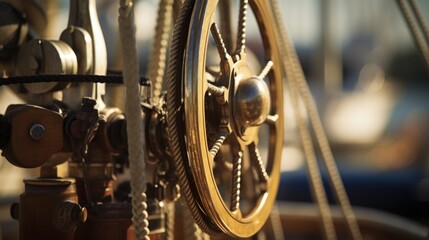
(200, 155)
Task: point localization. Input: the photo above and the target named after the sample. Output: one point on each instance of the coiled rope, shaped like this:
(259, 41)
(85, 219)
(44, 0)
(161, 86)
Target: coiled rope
(135, 126)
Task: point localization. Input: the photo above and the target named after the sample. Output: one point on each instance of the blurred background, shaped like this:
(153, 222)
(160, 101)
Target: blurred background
(368, 79)
(371, 86)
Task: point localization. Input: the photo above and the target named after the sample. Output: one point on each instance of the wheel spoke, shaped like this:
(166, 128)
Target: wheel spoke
(210, 78)
(212, 74)
(215, 90)
(220, 138)
(236, 180)
(225, 24)
(257, 163)
(220, 45)
(213, 71)
(242, 20)
(266, 70)
(272, 119)
(218, 92)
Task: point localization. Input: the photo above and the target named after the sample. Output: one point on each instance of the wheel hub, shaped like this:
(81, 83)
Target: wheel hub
(251, 102)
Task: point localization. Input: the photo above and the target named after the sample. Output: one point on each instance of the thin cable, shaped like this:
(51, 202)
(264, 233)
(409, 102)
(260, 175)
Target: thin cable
(276, 223)
(420, 20)
(414, 31)
(177, 5)
(191, 229)
(318, 191)
(156, 70)
(170, 221)
(135, 126)
(292, 64)
(329, 161)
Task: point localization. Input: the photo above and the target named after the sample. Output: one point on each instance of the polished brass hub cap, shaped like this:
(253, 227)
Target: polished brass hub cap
(251, 102)
(250, 106)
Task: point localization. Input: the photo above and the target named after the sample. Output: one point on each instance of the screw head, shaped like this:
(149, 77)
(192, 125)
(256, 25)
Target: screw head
(37, 131)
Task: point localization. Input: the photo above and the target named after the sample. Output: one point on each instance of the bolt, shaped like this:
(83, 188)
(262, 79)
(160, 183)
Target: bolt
(37, 131)
(68, 214)
(79, 214)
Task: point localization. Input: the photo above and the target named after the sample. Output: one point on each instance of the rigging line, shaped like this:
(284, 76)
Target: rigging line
(424, 51)
(135, 118)
(158, 58)
(170, 214)
(276, 223)
(420, 19)
(291, 59)
(317, 189)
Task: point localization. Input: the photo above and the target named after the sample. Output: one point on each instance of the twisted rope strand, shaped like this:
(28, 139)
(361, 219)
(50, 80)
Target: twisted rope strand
(135, 127)
(170, 222)
(158, 57)
(414, 31)
(298, 83)
(420, 19)
(236, 181)
(316, 183)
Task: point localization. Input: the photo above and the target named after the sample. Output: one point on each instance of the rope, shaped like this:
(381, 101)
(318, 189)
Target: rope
(420, 20)
(158, 57)
(170, 223)
(414, 30)
(67, 79)
(276, 223)
(191, 229)
(318, 190)
(135, 126)
(177, 5)
(298, 85)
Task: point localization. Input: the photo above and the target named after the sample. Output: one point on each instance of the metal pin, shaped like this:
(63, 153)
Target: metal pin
(37, 131)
